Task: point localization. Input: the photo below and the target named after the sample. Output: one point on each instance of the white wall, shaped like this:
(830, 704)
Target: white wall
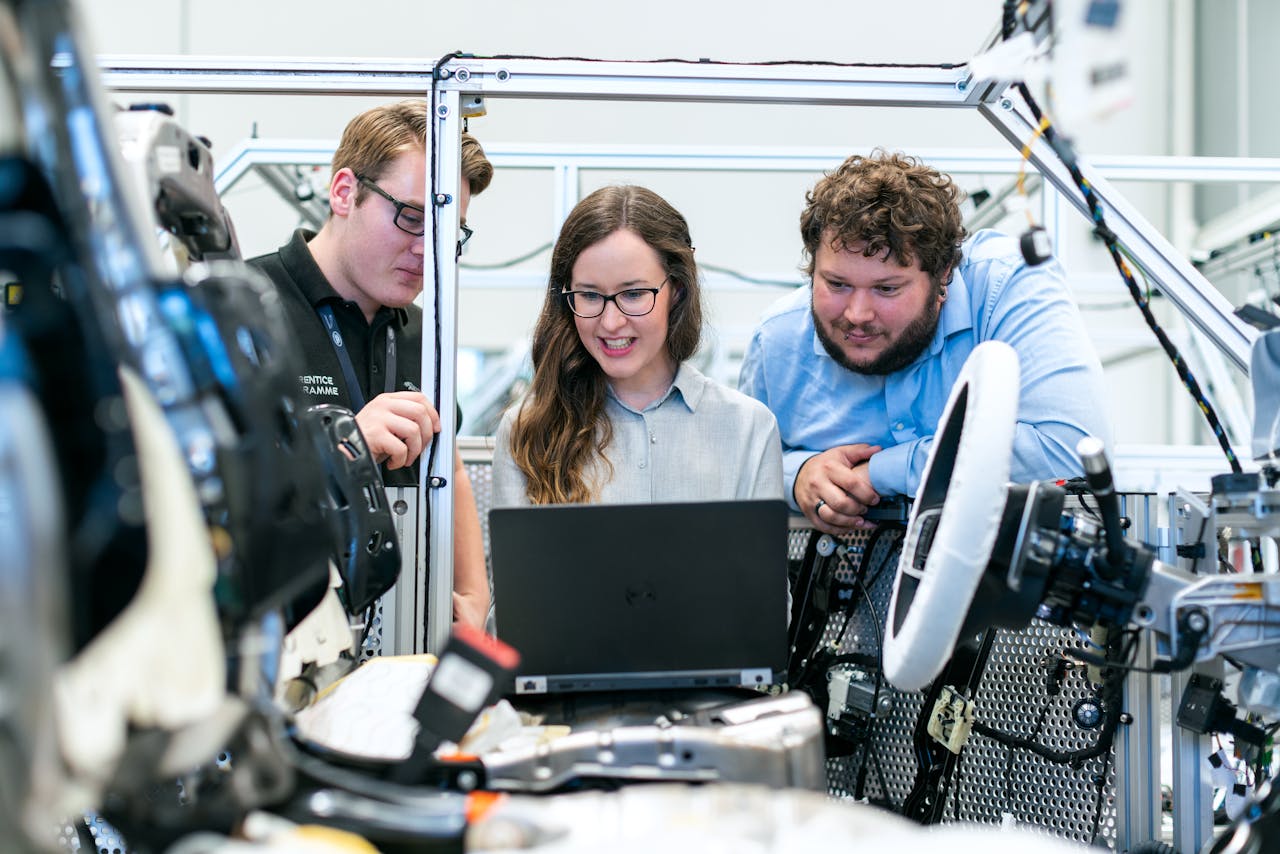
(747, 223)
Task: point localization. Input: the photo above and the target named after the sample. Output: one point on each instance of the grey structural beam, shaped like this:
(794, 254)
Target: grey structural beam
(708, 82)
(1197, 300)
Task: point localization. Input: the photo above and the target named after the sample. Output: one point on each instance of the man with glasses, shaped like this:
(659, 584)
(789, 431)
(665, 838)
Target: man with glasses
(348, 291)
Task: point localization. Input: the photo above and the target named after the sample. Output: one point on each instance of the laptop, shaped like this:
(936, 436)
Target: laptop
(642, 596)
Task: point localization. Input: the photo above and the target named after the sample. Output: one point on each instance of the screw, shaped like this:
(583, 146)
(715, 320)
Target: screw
(962, 85)
(467, 780)
(1006, 104)
(502, 75)
(463, 75)
(442, 111)
(1126, 718)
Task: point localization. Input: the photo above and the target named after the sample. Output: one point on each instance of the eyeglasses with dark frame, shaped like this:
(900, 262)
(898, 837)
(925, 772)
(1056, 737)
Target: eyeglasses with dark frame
(410, 219)
(633, 302)
(466, 235)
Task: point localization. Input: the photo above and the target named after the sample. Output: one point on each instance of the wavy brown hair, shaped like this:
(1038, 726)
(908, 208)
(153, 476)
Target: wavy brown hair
(892, 204)
(561, 427)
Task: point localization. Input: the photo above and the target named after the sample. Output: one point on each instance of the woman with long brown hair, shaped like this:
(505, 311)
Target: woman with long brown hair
(615, 413)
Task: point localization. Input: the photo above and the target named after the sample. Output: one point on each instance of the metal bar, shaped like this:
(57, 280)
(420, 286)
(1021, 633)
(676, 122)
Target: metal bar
(1137, 751)
(1245, 259)
(714, 82)
(1052, 212)
(275, 177)
(249, 153)
(265, 76)
(567, 193)
(996, 161)
(401, 624)
(1249, 217)
(546, 78)
(439, 502)
(993, 208)
(1177, 279)
(1192, 789)
(1138, 758)
(1201, 170)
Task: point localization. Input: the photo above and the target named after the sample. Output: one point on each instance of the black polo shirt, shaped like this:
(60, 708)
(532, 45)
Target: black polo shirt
(303, 289)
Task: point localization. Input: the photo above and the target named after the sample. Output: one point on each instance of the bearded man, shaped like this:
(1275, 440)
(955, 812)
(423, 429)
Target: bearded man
(858, 366)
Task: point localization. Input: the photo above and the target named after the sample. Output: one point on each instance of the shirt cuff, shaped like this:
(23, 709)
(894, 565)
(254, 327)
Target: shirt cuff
(791, 463)
(889, 469)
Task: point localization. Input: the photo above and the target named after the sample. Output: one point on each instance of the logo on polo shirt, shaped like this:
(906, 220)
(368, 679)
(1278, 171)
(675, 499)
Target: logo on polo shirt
(318, 385)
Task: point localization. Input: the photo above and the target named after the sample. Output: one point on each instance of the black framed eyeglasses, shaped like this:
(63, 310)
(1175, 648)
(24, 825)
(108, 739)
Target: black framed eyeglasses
(633, 302)
(410, 219)
(466, 235)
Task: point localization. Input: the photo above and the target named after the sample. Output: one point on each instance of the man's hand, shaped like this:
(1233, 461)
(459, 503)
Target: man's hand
(834, 489)
(467, 610)
(397, 425)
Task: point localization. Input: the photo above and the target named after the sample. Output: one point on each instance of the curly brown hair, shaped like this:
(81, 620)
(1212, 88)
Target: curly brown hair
(893, 205)
(561, 427)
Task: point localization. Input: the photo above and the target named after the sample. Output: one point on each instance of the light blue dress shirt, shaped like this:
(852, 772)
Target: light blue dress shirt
(993, 294)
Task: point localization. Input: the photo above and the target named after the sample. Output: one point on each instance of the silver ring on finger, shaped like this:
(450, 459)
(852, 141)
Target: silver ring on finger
(817, 508)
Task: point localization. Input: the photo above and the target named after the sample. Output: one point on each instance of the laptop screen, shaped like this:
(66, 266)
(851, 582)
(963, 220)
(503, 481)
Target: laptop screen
(619, 596)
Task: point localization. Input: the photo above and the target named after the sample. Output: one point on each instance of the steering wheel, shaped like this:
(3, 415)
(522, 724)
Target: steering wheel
(953, 523)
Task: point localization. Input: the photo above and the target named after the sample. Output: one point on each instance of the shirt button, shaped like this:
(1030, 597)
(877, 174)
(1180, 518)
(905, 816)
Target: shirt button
(642, 465)
(897, 426)
(375, 369)
(653, 438)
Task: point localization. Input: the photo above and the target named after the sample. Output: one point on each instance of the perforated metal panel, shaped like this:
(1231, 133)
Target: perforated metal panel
(481, 473)
(1011, 697)
(106, 839)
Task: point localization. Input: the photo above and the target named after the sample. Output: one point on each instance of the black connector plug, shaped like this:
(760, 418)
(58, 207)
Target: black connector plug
(1036, 246)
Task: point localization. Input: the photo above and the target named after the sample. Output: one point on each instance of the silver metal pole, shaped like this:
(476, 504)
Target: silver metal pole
(440, 346)
(534, 78)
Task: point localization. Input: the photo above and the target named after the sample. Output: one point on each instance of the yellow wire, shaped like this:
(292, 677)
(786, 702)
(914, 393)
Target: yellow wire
(1022, 167)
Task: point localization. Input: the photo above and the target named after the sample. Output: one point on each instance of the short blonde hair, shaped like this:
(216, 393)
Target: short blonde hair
(378, 136)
